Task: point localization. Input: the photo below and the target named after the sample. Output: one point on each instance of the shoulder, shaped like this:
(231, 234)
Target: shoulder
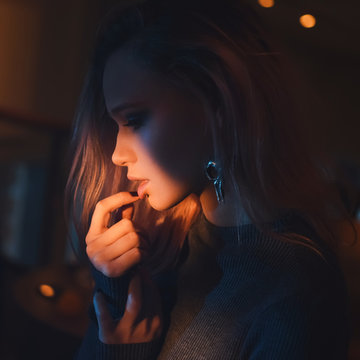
(297, 326)
(314, 270)
(277, 269)
(305, 311)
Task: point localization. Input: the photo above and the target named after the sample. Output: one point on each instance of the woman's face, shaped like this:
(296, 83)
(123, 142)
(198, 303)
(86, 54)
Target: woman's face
(161, 137)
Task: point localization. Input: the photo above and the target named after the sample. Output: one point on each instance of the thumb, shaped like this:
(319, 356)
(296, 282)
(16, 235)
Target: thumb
(105, 321)
(134, 300)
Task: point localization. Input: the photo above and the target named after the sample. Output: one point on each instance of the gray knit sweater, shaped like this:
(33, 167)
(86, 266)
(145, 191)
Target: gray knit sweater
(257, 298)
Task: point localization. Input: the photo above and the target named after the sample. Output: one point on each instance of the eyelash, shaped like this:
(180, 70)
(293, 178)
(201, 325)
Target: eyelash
(137, 121)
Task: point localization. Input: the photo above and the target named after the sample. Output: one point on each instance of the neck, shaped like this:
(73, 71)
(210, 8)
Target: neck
(221, 214)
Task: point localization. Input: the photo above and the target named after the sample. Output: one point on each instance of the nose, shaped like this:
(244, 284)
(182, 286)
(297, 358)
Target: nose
(123, 152)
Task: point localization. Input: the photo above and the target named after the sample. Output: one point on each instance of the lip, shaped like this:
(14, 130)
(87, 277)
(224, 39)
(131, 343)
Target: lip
(142, 188)
(135, 179)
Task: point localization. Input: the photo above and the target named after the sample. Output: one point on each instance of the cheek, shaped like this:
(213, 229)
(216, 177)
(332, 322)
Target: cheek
(179, 150)
(165, 190)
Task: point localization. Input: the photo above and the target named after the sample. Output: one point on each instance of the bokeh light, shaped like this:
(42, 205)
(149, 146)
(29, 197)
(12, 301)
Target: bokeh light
(266, 3)
(307, 21)
(46, 290)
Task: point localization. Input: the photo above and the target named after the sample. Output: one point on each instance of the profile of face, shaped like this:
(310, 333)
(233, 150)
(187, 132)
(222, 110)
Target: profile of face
(160, 135)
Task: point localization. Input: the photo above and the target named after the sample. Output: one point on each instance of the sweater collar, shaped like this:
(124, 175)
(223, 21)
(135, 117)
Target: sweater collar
(244, 234)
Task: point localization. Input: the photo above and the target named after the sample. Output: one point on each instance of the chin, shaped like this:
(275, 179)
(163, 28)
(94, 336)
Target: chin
(162, 204)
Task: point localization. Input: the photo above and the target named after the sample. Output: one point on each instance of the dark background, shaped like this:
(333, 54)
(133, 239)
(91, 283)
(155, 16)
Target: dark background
(44, 51)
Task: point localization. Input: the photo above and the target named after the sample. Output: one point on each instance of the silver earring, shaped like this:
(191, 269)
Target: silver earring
(212, 172)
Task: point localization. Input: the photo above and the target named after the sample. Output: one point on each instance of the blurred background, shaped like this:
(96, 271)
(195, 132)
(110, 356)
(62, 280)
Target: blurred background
(44, 53)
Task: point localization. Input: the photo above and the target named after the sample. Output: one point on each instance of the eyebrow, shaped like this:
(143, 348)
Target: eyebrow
(124, 106)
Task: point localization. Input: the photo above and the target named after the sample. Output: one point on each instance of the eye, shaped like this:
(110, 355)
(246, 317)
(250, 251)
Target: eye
(136, 120)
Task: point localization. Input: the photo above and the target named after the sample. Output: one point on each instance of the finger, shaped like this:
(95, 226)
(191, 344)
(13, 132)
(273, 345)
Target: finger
(134, 300)
(125, 262)
(105, 321)
(123, 212)
(121, 228)
(104, 207)
(114, 233)
(117, 248)
(151, 309)
(127, 211)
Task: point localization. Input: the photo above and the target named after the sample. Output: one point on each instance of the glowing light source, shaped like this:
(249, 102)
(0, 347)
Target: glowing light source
(46, 290)
(307, 21)
(266, 3)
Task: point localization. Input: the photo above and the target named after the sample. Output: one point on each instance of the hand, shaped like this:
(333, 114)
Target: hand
(142, 319)
(114, 250)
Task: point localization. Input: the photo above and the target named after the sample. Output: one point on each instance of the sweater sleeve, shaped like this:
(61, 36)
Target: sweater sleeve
(115, 291)
(299, 328)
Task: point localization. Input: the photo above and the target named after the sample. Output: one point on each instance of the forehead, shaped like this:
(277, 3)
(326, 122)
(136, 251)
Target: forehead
(126, 80)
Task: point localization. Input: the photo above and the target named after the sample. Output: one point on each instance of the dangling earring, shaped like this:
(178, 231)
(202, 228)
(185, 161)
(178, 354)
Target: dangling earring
(213, 173)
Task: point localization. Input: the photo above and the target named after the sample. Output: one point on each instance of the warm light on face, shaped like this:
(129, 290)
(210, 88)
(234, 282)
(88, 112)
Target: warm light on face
(161, 141)
(307, 21)
(266, 3)
(46, 290)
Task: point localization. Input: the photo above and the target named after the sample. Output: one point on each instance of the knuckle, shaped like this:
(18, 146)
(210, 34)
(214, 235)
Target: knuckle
(137, 253)
(107, 270)
(134, 236)
(96, 262)
(89, 251)
(127, 224)
(113, 270)
(89, 238)
(99, 259)
(100, 204)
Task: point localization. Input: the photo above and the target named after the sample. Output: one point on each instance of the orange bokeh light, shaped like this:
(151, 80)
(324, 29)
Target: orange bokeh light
(307, 21)
(266, 3)
(47, 290)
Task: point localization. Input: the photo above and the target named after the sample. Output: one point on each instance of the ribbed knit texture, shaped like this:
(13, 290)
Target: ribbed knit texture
(114, 290)
(256, 298)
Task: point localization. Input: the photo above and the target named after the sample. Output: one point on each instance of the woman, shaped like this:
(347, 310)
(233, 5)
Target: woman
(208, 224)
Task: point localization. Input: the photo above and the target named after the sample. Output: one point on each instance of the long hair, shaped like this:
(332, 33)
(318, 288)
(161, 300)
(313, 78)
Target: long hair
(219, 52)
